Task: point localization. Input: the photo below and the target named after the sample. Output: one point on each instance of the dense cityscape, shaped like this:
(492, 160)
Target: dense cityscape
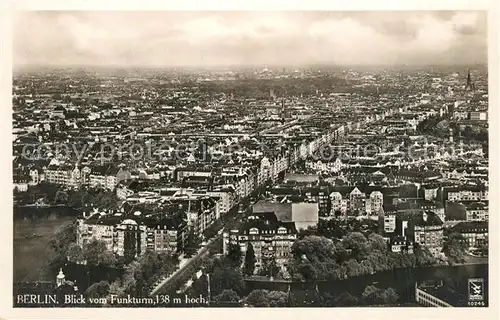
(250, 187)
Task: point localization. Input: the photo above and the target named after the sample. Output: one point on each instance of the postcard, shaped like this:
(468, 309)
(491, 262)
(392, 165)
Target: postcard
(279, 159)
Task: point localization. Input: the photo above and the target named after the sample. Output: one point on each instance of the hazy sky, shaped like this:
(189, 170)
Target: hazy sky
(251, 37)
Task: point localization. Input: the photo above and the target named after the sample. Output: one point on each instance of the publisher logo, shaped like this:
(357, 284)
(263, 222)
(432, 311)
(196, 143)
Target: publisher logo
(476, 289)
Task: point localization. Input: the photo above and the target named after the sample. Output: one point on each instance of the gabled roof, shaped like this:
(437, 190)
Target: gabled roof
(265, 221)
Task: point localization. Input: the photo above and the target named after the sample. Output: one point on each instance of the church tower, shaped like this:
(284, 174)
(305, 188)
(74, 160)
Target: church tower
(60, 278)
(283, 109)
(469, 85)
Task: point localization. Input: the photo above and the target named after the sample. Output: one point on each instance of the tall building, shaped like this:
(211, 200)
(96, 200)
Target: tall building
(130, 235)
(428, 232)
(374, 202)
(270, 238)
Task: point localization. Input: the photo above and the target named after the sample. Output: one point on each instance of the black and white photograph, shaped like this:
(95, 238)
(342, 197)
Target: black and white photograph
(250, 159)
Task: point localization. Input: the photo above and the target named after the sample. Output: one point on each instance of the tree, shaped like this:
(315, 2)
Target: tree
(211, 264)
(277, 299)
(346, 300)
(373, 295)
(423, 256)
(108, 259)
(377, 242)
(199, 286)
(353, 268)
(98, 290)
(455, 247)
(366, 267)
(60, 243)
(227, 278)
(269, 268)
(80, 197)
(130, 278)
(443, 128)
(117, 289)
(314, 248)
(96, 253)
(227, 296)
(151, 265)
(379, 261)
(402, 259)
(250, 260)
(257, 298)
(61, 197)
(266, 298)
(106, 200)
(192, 243)
(390, 296)
(358, 244)
(482, 136)
(234, 255)
(47, 189)
(75, 253)
(63, 238)
(468, 132)
(483, 246)
(305, 298)
(140, 275)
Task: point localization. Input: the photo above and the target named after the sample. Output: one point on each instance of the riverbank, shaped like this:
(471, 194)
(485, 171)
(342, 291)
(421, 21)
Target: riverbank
(34, 212)
(401, 280)
(470, 260)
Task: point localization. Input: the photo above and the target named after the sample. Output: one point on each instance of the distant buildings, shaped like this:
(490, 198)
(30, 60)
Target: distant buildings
(467, 193)
(362, 153)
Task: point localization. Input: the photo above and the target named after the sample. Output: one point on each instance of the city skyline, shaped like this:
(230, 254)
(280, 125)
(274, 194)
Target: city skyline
(182, 159)
(216, 38)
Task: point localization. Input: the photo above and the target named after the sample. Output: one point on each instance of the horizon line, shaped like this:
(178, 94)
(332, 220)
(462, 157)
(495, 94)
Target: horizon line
(240, 66)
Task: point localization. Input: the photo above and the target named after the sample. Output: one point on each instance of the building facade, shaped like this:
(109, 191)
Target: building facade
(271, 239)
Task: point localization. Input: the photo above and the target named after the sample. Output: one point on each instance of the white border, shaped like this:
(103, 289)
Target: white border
(6, 310)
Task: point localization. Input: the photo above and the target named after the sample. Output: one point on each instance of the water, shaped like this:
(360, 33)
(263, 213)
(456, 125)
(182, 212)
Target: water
(31, 253)
(402, 280)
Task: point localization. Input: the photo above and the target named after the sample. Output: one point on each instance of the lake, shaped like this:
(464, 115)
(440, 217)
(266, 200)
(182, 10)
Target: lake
(31, 253)
(402, 280)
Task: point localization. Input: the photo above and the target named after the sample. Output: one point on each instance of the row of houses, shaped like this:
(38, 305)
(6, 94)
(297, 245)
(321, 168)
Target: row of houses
(357, 202)
(147, 227)
(106, 177)
(201, 207)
